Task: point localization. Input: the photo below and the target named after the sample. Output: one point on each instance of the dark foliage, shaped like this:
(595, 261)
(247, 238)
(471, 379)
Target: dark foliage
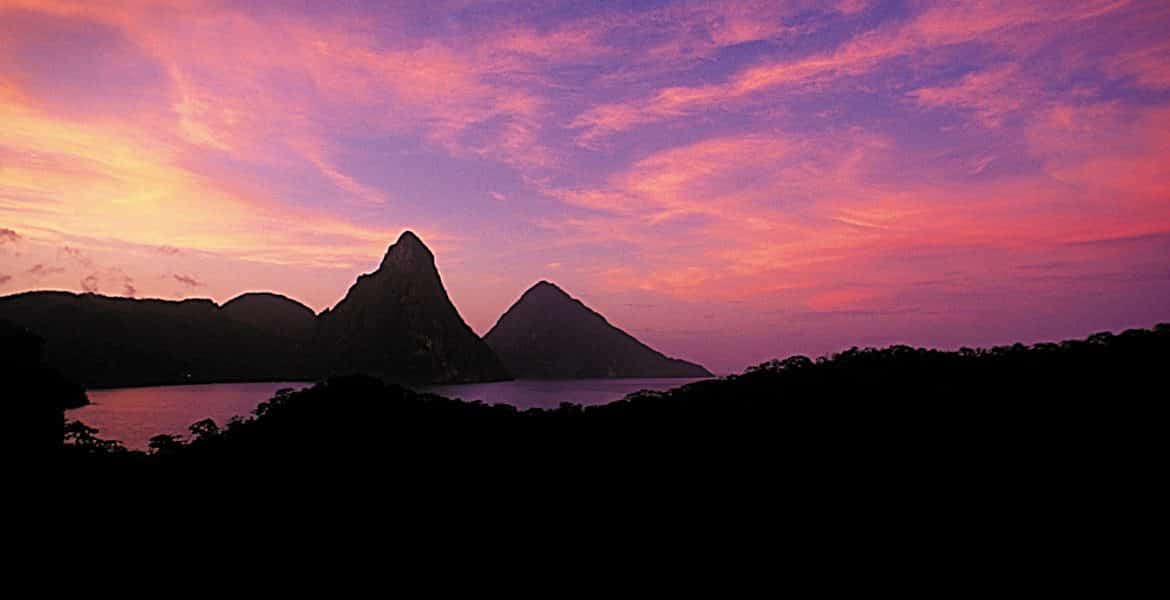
(874, 417)
(35, 394)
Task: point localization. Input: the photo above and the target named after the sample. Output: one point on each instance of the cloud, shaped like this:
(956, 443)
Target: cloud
(719, 216)
(40, 270)
(5, 278)
(835, 160)
(186, 280)
(76, 255)
(860, 56)
(1149, 67)
(118, 183)
(832, 223)
(850, 7)
(8, 236)
(991, 95)
(112, 277)
(980, 164)
(315, 154)
(296, 80)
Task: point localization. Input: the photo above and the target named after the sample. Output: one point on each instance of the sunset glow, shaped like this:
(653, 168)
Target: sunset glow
(728, 181)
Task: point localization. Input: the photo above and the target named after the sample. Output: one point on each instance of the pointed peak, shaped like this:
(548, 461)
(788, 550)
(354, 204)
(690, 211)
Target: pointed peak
(547, 286)
(409, 237)
(546, 291)
(407, 250)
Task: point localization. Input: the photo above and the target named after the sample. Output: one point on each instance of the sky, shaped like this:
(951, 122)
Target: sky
(728, 181)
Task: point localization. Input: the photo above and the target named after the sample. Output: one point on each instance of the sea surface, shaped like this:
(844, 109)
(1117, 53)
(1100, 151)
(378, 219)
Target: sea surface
(133, 415)
(550, 393)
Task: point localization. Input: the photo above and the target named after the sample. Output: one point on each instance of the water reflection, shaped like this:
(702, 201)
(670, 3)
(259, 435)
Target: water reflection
(134, 415)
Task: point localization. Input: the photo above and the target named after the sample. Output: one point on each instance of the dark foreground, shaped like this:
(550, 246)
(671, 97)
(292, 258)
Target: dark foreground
(938, 470)
(873, 417)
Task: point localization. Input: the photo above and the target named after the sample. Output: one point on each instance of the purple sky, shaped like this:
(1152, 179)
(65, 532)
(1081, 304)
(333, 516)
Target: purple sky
(727, 181)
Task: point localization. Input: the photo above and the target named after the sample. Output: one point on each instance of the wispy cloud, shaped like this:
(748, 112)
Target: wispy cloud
(40, 270)
(820, 162)
(186, 280)
(935, 28)
(990, 95)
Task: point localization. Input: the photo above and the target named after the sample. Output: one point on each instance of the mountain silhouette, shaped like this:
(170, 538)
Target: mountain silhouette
(273, 314)
(100, 341)
(398, 323)
(548, 334)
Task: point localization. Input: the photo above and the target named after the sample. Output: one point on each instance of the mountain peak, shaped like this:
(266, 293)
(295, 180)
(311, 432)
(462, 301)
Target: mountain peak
(408, 250)
(546, 287)
(266, 302)
(398, 323)
(410, 237)
(549, 334)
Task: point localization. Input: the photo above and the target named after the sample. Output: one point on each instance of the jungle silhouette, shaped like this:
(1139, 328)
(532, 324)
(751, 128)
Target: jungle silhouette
(882, 415)
(36, 394)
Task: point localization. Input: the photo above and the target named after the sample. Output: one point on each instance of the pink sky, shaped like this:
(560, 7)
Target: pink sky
(728, 181)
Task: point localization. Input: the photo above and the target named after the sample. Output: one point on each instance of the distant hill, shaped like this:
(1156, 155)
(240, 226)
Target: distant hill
(399, 324)
(273, 314)
(109, 342)
(549, 334)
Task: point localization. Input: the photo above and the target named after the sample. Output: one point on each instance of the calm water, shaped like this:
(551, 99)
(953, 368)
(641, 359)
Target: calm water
(134, 415)
(536, 393)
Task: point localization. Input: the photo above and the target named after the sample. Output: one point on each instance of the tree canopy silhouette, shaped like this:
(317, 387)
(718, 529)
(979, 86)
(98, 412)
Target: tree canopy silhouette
(863, 411)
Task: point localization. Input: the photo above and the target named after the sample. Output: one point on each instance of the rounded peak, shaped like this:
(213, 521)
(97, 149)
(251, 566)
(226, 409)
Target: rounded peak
(263, 298)
(187, 301)
(256, 296)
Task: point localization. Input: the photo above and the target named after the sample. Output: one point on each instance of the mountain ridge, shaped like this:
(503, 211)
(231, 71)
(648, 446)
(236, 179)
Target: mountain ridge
(104, 341)
(396, 322)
